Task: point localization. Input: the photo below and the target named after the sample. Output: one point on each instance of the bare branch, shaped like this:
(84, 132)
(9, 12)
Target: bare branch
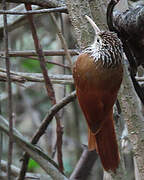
(85, 166)
(1, 148)
(72, 52)
(39, 51)
(35, 77)
(42, 11)
(42, 3)
(62, 39)
(9, 107)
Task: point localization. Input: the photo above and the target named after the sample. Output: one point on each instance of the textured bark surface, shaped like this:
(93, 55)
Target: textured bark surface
(98, 11)
(132, 113)
(130, 24)
(77, 10)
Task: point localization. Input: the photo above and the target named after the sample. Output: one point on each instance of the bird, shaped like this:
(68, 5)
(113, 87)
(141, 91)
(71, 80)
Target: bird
(98, 74)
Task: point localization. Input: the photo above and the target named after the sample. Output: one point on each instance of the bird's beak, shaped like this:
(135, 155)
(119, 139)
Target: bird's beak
(97, 30)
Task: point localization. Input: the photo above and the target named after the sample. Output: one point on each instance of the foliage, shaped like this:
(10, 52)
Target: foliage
(30, 65)
(33, 165)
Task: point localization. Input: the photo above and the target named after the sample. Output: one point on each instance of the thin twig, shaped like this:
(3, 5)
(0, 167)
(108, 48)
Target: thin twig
(62, 39)
(59, 130)
(1, 149)
(39, 51)
(34, 77)
(28, 58)
(47, 61)
(72, 52)
(23, 77)
(1, 143)
(9, 92)
(59, 142)
(41, 11)
(64, 88)
(63, 60)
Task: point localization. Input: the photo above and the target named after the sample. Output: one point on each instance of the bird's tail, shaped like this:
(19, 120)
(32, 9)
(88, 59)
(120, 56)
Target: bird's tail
(106, 145)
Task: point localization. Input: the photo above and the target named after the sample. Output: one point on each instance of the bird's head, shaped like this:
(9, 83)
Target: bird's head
(106, 46)
(98, 38)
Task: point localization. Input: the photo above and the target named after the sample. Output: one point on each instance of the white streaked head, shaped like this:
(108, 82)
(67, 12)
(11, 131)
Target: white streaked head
(97, 44)
(106, 47)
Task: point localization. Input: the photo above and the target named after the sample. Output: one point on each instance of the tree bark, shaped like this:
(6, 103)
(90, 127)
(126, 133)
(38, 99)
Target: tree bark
(77, 10)
(131, 109)
(98, 11)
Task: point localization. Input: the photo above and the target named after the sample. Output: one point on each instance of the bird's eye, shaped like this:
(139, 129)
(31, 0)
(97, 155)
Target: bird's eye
(98, 40)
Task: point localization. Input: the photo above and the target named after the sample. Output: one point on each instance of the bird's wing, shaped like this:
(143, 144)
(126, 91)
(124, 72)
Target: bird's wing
(92, 109)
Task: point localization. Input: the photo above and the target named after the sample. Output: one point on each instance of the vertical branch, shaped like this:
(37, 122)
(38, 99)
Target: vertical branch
(9, 92)
(1, 148)
(62, 40)
(40, 54)
(88, 167)
(63, 58)
(59, 144)
(1, 143)
(51, 94)
(59, 126)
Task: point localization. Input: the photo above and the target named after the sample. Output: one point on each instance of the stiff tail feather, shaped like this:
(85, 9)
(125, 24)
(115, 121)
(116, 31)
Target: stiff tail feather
(106, 145)
(91, 141)
(101, 133)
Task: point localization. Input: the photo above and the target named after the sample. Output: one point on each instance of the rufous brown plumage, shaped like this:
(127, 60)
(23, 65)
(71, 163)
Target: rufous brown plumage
(98, 74)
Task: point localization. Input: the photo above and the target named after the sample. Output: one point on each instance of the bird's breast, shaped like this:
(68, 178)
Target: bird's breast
(92, 76)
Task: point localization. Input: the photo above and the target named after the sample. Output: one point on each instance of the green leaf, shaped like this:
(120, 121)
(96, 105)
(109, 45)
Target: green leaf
(33, 65)
(33, 164)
